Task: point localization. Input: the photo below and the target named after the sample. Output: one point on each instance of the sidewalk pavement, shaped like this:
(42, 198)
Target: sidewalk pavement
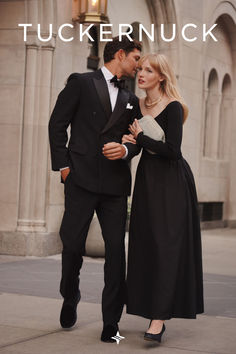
(30, 306)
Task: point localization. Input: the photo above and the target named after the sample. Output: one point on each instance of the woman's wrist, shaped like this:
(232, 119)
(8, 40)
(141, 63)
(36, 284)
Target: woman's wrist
(139, 137)
(139, 134)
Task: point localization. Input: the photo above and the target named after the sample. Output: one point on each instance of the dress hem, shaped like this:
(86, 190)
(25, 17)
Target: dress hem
(163, 318)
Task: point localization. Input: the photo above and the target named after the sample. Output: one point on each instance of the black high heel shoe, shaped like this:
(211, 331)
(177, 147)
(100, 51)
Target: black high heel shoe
(155, 337)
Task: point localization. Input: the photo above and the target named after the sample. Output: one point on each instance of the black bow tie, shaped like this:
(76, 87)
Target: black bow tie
(118, 83)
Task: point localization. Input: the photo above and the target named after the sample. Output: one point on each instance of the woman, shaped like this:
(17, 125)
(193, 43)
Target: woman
(164, 277)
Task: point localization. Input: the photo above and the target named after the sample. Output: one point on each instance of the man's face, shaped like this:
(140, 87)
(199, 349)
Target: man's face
(129, 63)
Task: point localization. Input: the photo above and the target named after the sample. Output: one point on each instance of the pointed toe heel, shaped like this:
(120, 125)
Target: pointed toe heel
(155, 337)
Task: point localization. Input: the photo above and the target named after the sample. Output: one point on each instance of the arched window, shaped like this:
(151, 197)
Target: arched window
(211, 114)
(226, 113)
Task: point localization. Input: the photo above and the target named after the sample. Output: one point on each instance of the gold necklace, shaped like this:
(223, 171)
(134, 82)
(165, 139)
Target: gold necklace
(152, 104)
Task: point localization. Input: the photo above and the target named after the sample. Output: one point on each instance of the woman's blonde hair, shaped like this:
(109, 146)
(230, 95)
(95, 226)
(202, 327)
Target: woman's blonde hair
(159, 62)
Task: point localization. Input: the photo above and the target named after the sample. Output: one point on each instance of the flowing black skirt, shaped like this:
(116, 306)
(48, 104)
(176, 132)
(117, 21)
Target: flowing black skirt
(164, 277)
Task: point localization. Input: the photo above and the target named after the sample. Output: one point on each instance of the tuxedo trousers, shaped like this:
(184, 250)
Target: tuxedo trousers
(111, 210)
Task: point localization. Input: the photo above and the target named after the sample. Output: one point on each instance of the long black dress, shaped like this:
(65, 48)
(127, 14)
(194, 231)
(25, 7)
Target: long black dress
(164, 277)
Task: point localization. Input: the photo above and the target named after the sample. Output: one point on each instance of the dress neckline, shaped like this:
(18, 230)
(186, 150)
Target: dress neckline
(162, 110)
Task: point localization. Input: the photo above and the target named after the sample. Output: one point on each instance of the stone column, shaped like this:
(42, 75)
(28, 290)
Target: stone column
(34, 158)
(32, 199)
(26, 197)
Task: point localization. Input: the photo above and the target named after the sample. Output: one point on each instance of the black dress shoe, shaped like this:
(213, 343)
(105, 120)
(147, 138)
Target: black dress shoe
(108, 332)
(68, 315)
(155, 337)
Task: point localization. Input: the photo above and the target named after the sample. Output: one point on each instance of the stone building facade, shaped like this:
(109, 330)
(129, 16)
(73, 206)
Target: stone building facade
(32, 73)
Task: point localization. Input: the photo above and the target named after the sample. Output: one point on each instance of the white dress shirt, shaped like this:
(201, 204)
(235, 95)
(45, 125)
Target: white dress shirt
(113, 91)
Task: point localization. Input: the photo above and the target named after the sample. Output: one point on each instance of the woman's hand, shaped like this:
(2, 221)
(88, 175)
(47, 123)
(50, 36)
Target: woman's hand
(135, 128)
(128, 139)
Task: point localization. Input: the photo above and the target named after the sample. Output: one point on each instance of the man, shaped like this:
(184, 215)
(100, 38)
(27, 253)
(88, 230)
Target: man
(96, 174)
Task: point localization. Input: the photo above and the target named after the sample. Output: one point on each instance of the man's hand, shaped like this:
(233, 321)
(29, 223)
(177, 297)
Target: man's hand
(113, 151)
(128, 139)
(64, 173)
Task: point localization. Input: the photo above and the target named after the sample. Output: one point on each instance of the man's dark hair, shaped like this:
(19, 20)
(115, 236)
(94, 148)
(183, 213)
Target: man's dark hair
(112, 47)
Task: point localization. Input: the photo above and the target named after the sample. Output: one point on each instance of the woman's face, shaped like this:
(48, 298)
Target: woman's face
(148, 78)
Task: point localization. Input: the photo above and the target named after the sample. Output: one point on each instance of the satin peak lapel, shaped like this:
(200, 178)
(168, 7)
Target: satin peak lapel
(103, 94)
(121, 102)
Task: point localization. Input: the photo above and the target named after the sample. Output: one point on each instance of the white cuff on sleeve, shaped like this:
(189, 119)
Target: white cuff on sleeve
(126, 153)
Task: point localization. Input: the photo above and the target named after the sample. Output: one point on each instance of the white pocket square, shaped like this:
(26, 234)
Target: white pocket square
(129, 106)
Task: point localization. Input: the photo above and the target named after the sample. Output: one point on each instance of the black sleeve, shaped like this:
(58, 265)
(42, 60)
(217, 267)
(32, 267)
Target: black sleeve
(169, 149)
(62, 115)
(133, 149)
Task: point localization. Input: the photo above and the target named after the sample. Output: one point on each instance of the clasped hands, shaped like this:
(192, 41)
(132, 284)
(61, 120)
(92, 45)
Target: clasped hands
(134, 129)
(115, 151)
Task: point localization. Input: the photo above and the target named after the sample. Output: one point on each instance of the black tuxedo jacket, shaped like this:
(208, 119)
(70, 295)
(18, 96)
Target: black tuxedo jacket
(84, 104)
